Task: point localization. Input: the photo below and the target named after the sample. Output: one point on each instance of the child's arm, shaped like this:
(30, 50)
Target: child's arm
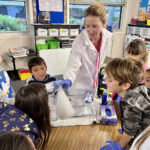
(125, 139)
(4, 98)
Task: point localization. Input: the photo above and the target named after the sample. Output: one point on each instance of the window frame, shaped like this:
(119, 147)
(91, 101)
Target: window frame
(88, 2)
(27, 18)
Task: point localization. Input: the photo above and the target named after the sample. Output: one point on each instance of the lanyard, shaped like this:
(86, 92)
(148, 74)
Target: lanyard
(97, 61)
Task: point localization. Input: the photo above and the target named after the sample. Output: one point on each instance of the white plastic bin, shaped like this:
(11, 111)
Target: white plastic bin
(53, 32)
(41, 32)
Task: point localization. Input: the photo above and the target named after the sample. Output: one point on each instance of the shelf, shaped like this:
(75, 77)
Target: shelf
(54, 36)
(139, 25)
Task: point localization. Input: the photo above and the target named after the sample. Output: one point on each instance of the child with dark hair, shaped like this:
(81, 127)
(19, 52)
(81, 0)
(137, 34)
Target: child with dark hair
(30, 114)
(15, 141)
(38, 69)
(123, 76)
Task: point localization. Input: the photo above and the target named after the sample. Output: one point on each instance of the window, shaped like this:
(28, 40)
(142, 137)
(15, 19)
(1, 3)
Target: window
(77, 12)
(114, 8)
(13, 16)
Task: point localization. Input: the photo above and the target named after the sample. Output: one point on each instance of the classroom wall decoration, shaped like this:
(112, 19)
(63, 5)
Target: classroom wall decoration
(145, 4)
(53, 7)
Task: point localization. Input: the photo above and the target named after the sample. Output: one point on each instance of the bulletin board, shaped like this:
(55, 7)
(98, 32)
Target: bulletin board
(144, 3)
(54, 7)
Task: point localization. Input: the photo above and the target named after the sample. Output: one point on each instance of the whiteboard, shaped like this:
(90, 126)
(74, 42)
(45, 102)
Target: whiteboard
(56, 60)
(51, 5)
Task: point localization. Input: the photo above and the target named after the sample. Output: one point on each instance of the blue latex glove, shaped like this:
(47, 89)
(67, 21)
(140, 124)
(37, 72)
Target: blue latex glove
(108, 111)
(56, 83)
(120, 130)
(65, 83)
(112, 146)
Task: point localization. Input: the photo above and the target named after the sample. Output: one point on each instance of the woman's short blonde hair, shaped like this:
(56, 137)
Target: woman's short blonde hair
(97, 9)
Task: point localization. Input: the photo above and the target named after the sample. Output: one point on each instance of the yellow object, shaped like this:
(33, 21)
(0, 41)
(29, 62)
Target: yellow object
(148, 22)
(142, 17)
(24, 76)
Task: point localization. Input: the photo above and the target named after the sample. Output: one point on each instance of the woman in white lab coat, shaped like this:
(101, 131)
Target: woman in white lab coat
(88, 51)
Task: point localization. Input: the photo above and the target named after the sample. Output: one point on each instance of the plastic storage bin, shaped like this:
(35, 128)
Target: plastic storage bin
(24, 74)
(53, 32)
(63, 32)
(74, 32)
(41, 46)
(53, 44)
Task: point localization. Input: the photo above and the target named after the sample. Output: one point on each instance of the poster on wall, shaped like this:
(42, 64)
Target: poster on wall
(51, 5)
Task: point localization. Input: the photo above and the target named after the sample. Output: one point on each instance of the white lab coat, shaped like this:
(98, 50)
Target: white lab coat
(82, 62)
(145, 145)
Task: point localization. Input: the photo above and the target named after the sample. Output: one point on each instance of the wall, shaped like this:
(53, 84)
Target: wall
(25, 40)
(119, 36)
(11, 40)
(131, 10)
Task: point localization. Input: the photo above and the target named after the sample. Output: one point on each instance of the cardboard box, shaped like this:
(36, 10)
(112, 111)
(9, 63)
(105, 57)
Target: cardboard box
(106, 119)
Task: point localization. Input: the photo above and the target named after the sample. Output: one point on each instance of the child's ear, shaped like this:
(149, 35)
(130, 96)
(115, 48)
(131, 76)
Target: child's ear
(142, 54)
(126, 86)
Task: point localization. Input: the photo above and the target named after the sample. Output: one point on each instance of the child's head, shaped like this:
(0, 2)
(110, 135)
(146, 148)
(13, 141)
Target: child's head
(15, 141)
(33, 100)
(137, 49)
(123, 73)
(147, 78)
(38, 68)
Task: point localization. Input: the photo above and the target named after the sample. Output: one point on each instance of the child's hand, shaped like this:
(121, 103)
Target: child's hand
(112, 146)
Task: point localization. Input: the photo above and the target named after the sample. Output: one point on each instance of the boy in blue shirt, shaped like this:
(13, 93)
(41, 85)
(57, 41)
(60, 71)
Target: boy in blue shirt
(38, 68)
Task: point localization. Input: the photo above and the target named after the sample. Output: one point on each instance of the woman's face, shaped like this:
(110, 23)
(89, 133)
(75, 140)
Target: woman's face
(93, 26)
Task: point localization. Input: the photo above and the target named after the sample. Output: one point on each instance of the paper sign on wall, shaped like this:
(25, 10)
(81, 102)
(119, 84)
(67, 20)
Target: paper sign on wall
(51, 5)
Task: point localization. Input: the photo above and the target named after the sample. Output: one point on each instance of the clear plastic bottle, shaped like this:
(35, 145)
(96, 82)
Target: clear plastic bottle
(104, 97)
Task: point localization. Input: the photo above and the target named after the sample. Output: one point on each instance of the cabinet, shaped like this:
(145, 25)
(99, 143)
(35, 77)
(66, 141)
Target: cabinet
(56, 59)
(61, 28)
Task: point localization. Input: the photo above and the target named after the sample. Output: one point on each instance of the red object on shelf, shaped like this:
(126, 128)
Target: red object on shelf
(134, 20)
(24, 71)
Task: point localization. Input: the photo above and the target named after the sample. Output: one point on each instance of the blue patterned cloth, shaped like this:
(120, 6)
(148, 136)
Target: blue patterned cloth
(5, 84)
(13, 119)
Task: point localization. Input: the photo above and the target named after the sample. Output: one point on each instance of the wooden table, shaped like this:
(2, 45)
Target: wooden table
(90, 137)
